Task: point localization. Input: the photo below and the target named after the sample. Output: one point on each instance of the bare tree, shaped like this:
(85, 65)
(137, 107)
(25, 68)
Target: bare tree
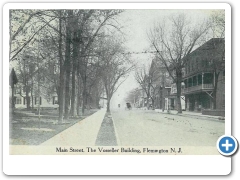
(144, 80)
(24, 25)
(218, 24)
(115, 67)
(149, 80)
(173, 42)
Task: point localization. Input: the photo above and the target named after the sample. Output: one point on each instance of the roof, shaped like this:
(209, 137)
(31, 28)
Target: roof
(209, 45)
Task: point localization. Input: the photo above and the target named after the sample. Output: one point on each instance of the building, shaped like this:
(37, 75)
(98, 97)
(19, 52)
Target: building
(166, 91)
(204, 80)
(45, 102)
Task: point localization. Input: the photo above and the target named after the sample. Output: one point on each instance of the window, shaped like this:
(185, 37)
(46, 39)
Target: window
(55, 100)
(55, 69)
(208, 78)
(36, 100)
(17, 90)
(19, 100)
(194, 80)
(190, 82)
(199, 79)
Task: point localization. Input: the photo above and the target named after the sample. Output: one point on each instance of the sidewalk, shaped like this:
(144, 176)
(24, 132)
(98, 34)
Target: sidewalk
(187, 113)
(83, 133)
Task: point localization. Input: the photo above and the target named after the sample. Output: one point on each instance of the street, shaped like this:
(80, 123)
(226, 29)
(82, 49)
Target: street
(149, 128)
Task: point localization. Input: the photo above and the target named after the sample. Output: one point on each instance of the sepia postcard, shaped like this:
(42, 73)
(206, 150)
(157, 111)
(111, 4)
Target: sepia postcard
(117, 79)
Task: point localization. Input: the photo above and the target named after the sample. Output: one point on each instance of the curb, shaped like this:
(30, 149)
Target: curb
(215, 118)
(115, 130)
(204, 117)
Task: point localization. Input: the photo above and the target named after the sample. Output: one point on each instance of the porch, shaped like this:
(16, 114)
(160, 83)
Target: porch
(198, 83)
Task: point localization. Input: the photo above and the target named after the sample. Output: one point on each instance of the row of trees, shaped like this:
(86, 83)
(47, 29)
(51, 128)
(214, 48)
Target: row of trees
(77, 54)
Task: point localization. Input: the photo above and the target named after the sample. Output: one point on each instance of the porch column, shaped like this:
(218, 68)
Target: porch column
(196, 103)
(202, 79)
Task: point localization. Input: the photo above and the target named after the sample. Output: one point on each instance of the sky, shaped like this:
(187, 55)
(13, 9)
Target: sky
(136, 24)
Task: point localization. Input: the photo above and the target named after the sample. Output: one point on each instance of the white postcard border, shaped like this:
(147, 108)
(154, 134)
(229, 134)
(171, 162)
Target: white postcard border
(107, 164)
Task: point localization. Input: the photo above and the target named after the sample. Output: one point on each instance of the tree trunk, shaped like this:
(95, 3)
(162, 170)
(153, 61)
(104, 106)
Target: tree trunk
(79, 96)
(68, 65)
(13, 99)
(215, 91)
(79, 89)
(67, 92)
(32, 95)
(75, 59)
(97, 102)
(163, 104)
(61, 93)
(61, 77)
(179, 89)
(84, 94)
(148, 102)
(108, 105)
(27, 98)
(73, 97)
(153, 104)
(163, 92)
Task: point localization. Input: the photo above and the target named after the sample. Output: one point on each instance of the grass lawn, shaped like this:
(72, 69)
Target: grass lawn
(28, 130)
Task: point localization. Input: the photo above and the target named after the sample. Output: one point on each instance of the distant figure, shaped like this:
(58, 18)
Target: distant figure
(118, 105)
(128, 106)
